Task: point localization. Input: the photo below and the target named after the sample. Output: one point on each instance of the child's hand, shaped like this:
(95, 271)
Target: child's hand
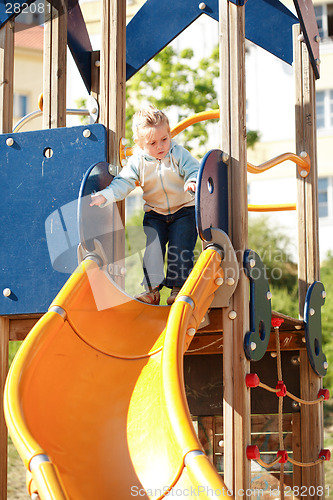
(97, 199)
(191, 187)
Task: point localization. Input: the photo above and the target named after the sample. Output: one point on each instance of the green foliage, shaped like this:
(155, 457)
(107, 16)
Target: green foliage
(172, 82)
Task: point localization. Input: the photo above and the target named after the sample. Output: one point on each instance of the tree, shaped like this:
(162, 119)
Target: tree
(174, 83)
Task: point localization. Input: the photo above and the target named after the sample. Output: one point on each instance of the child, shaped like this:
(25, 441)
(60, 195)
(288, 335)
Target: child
(167, 174)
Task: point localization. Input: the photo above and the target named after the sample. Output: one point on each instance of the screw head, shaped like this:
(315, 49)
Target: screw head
(219, 281)
(268, 295)
(253, 346)
(303, 173)
(9, 141)
(6, 292)
(232, 315)
(191, 332)
(325, 365)
(323, 294)
(202, 6)
(230, 281)
(252, 262)
(86, 133)
(312, 311)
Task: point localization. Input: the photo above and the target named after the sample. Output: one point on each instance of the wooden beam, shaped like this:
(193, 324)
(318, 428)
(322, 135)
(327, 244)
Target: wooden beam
(309, 263)
(112, 101)
(55, 66)
(4, 340)
(236, 407)
(6, 77)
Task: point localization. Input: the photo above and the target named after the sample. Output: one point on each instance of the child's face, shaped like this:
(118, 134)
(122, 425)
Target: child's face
(156, 142)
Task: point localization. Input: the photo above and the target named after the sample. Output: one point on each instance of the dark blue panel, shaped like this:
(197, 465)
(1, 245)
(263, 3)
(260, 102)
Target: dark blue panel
(38, 211)
(267, 24)
(315, 299)
(156, 24)
(11, 8)
(78, 42)
(212, 195)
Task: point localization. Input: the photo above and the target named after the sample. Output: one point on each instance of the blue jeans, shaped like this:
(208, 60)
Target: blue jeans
(179, 230)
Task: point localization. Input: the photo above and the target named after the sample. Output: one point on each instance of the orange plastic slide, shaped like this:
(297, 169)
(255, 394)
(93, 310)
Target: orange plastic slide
(95, 400)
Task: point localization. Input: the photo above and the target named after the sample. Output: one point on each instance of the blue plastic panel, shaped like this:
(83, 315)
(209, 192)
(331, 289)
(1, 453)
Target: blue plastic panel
(315, 299)
(38, 211)
(212, 195)
(267, 24)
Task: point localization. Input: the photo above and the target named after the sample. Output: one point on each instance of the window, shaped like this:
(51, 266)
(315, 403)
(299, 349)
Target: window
(324, 109)
(323, 197)
(20, 105)
(324, 16)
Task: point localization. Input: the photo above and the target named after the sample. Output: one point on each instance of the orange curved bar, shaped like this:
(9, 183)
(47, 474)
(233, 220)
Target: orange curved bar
(283, 207)
(182, 125)
(302, 161)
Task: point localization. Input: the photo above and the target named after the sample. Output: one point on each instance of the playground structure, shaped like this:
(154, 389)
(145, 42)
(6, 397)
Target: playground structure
(144, 437)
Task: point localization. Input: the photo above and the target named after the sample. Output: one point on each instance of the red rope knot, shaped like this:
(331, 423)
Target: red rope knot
(324, 394)
(281, 389)
(277, 322)
(252, 380)
(284, 456)
(325, 454)
(252, 452)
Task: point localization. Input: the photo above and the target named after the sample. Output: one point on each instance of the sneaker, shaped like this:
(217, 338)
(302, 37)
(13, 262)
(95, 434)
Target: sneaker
(152, 297)
(173, 295)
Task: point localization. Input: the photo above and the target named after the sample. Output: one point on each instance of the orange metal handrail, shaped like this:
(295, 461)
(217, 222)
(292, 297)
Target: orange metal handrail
(302, 161)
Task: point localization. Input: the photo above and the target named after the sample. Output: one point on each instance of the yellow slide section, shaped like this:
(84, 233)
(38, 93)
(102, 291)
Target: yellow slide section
(95, 400)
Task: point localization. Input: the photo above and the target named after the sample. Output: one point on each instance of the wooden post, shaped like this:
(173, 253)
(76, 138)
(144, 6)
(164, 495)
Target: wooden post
(112, 101)
(55, 66)
(4, 340)
(6, 125)
(6, 77)
(309, 262)
(236, 409)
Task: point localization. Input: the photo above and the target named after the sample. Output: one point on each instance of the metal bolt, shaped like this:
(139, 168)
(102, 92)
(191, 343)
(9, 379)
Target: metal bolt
(86, 133)
(225, 157)
(219, 281)
(123, 141)
(123, 163)
(303, 154)
(325, 365)
(298, 327)
(273, 354)
(304, 173)
(295, 360)
(268, 295)
(323, 294)
(318, 62)
(230, 281)
(312, 311)
(300, 37)
(317, 38)
(232, 315)
(97, 64)
(252, 262)
(191, 332)
(221, 443)
(303, 340)
(253, 346)
(9, 141)
(202, 6)
(6, 292)
(295, 404)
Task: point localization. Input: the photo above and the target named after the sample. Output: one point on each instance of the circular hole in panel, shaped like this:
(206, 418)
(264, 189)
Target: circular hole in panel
(316, 346)
(262, 330)
(48, 152)
(210, 185)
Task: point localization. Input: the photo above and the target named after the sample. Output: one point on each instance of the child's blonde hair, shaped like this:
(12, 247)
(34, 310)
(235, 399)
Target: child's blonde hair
(148, 118)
